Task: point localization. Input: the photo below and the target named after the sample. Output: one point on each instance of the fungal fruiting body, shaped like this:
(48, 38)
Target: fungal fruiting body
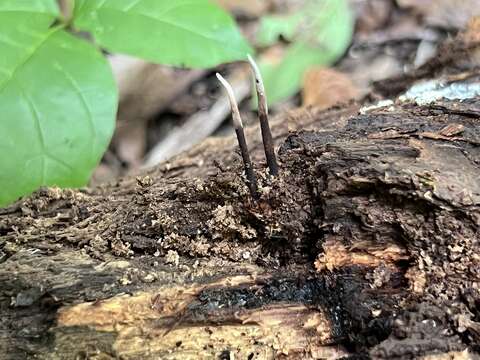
(263, 118)
(242, 142)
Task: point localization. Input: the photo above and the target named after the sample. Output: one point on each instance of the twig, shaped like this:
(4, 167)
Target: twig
(268, 144)
(237, 123)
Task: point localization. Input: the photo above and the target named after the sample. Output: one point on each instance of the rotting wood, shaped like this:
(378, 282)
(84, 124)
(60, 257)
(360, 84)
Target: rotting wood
(182, 322)
(123, 270)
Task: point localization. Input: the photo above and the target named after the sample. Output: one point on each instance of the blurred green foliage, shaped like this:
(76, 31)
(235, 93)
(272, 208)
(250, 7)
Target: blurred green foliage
(57, 92)
(318, 34)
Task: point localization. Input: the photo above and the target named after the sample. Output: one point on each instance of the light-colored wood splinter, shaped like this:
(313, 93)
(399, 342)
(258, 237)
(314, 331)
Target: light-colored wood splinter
(238, 124)
(268, 144)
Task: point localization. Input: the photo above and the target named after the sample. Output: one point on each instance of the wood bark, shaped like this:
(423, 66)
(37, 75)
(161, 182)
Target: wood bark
(367, 244)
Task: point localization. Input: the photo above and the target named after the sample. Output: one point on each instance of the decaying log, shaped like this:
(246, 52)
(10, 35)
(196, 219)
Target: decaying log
(367, 243)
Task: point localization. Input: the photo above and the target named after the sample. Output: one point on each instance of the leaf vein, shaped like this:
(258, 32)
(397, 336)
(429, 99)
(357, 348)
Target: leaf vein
(132, 5)
(37, 124)
(226, 43)
(60, 161)
(28, 57)
(83, 101)
(41, 136)
(11, 42)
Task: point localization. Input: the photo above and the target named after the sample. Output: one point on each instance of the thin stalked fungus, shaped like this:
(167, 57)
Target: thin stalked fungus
(237, 123)
(263, 118)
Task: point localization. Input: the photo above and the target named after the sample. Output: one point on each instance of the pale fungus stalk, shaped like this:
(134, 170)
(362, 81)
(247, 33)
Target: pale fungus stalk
(237, 123)
(268, 144)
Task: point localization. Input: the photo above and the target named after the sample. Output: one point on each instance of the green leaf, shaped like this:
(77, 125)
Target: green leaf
(192, 33)
(48, 7)
(58, 100)
(321, 38)
(274, 26)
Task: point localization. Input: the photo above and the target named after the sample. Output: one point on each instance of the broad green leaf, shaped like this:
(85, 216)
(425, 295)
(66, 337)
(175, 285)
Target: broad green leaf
(48, 7)
(192, 33)
(321, 38)
(58, 102)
